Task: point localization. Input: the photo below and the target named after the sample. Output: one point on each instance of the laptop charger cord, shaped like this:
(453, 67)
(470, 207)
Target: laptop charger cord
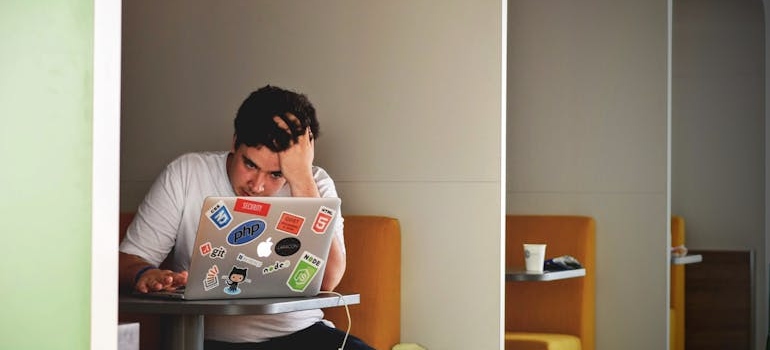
(347, 312)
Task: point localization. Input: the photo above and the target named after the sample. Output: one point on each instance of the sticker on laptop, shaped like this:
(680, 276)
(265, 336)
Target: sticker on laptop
(251, 207)
(290, 223)
(219, 215)
(205, 248)
(218, 253)
(249, 260)
(306, 268)
(236, 276)
(322, 220)
(212, 278)
(278, 265)
(246, 232)
(287, 246)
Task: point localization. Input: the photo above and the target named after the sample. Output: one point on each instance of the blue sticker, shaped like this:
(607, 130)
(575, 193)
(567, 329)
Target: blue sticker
(246, 232)
(219, 215)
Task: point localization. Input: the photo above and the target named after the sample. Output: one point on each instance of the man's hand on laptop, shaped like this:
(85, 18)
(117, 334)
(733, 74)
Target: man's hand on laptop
(155, 280)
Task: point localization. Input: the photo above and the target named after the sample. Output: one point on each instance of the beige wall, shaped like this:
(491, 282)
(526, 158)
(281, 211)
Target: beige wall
(409, 94)
(718, 131)
(587, 134)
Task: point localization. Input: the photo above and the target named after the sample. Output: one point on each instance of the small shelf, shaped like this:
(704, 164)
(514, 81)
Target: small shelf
(522, 275)
(687, 259)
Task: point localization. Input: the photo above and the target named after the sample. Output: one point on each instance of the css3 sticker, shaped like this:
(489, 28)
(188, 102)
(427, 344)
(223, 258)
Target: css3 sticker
(219, 215)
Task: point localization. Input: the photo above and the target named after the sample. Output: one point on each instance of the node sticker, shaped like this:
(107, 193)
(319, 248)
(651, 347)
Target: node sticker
(279, 265)
(290, 223)
(219, 215)
(322, 220)
(251, 207)
(306, 268)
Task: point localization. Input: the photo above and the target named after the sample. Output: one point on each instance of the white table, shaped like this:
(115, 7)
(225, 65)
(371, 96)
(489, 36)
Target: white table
(523, 275)
(187, 315)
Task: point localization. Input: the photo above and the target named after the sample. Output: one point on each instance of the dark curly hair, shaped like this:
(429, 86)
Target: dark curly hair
(254, 125)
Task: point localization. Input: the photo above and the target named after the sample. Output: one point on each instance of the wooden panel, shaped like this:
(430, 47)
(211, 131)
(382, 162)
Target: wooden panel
(719, 301)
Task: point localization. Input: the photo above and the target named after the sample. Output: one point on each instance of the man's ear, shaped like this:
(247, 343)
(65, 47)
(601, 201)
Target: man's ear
(232, 147)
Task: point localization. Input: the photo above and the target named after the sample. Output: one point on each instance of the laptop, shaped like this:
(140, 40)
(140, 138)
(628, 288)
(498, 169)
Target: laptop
(254, 247)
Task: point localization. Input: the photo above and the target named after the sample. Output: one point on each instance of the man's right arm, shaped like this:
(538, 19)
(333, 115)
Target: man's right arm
(137, 274)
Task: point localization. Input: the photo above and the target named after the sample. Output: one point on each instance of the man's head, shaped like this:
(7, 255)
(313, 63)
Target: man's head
(254, 167)
(254, 125)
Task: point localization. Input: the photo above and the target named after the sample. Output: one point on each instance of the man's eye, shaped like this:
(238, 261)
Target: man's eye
(276, 175)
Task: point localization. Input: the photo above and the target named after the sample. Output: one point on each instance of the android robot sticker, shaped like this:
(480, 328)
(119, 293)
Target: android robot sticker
(237, 275)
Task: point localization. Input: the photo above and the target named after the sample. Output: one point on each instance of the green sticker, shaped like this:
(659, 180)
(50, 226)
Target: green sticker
(306, 268)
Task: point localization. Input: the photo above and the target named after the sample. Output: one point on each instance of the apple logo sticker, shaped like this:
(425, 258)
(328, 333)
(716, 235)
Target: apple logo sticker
(264, 248)
(287, 246)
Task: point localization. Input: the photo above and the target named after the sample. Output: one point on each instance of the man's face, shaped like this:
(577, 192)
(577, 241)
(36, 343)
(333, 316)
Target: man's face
(254, 171)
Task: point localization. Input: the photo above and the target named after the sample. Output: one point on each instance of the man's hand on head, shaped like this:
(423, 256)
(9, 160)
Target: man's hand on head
(297, 160)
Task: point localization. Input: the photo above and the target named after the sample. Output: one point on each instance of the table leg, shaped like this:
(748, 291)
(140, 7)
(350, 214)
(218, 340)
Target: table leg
(187, 332)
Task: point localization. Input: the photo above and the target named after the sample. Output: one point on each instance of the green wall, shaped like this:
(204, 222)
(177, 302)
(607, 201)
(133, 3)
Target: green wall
(45, 177)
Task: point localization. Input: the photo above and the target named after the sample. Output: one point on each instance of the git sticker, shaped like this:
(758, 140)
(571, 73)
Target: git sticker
(306, 268)
(290, 223)
(219, 215)
(322, 220)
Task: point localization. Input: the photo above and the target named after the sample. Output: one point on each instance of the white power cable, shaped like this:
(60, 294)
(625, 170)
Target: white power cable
(347, 311)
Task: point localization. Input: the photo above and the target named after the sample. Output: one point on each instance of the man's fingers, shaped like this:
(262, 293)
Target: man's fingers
(291, 124)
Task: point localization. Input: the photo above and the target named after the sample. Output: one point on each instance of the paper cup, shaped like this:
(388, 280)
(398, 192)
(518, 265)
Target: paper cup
(534, 257)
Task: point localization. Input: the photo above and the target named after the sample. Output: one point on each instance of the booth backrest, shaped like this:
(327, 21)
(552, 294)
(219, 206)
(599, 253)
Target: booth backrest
(563, 306)
(676, 336)
(373, 246)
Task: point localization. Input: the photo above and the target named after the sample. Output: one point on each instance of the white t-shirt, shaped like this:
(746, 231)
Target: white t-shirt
(168, 219)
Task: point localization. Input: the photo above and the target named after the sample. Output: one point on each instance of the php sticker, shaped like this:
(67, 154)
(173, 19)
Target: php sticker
(246, 232)
(219, 215)
(322, 220)
(251, 207)
(290, 223)
(306, 268)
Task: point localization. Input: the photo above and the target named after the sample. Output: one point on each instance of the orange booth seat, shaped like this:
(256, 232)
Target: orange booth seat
(373, 245)
(552, 315)
(676, 333)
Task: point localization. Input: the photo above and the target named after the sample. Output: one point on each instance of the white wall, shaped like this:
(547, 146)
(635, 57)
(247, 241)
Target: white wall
(409, 95)
(587, 134)
(718, 131)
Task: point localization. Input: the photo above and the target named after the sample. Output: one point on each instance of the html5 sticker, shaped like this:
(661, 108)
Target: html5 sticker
(290, 223)
(322, 220)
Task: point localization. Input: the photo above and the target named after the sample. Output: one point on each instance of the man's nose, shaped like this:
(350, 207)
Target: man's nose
(257, 184)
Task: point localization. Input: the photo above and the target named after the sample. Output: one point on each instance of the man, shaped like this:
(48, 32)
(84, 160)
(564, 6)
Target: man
(271, 155)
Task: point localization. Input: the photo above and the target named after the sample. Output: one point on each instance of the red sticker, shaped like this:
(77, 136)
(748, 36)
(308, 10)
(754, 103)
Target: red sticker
(322, 220)
(251, 207)
(205, 248)
(290, 223)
